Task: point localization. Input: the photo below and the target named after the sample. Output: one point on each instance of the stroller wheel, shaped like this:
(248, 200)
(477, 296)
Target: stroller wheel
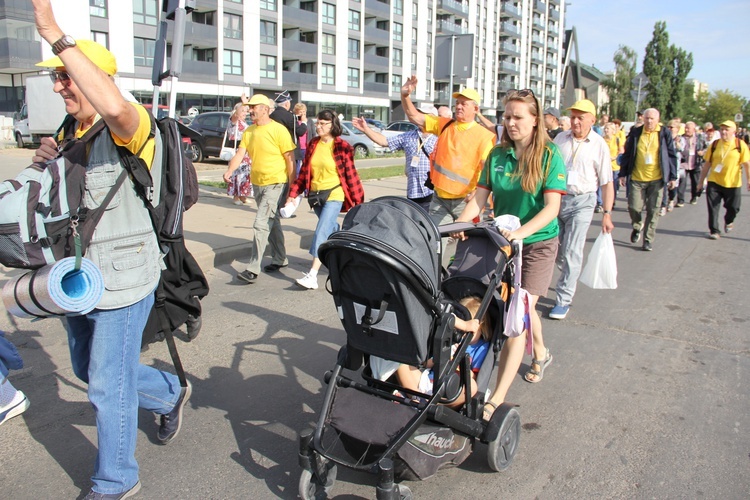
(404, 493)
(504, 431)
(311, 488)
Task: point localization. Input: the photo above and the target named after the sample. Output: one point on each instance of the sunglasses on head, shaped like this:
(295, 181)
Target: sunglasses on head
(63, 76)
(521, 93)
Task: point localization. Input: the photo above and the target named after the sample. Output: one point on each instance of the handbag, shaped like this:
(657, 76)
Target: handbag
(228, 153)
(319, 198)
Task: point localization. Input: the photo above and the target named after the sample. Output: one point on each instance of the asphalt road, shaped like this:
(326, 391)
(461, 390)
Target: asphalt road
(647, 396)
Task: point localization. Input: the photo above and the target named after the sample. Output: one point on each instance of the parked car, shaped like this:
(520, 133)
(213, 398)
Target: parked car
(375, 123)
(363, 145)
(395, 128)
(211, 126)
(188, 135)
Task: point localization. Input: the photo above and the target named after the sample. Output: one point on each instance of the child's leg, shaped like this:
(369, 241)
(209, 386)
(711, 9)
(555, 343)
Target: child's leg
(408, 377)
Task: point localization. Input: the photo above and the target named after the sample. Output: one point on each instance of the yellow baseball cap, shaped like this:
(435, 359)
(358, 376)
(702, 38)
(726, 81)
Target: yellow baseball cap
(468, 93)
(259, 99)
(585, 106)
(97, 53)
(728, 124)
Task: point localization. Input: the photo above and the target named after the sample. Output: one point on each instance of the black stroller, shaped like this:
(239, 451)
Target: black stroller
(396, 303)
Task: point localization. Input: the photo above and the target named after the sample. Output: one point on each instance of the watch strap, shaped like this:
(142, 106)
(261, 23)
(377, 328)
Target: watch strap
(65, 42)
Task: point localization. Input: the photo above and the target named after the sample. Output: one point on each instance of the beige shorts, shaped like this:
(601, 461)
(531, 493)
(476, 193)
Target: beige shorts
(538, 266)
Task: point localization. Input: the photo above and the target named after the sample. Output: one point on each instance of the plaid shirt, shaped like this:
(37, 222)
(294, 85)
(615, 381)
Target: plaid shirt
(411, 142)
(343, 155)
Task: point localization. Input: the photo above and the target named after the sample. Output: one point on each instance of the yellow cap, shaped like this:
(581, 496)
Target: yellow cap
(97, 53)
(585, 106)
(259, 99)
(468, 93)
(728, 124)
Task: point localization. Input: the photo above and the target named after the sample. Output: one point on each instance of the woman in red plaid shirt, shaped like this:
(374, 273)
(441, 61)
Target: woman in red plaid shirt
(332, 184)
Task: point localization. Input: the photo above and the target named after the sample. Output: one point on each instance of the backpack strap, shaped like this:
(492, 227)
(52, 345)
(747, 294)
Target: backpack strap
(166, 328)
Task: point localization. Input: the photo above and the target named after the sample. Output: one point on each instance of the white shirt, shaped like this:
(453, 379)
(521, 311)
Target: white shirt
(587, 162)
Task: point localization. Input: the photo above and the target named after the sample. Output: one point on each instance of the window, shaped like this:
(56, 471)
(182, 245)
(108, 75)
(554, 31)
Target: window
(308, 68)
(204, 55)
(268, 32)
(381, 51)
(353, 77)
(397, 57)
(206, 18)
(235, 1)
(267, 66)
(268, 5)
(396, 83)
(382, 25)
(233, 62)
(381, 77)
(353, 48)
(429, 39)
(429, 63)
(328, 75)
(414, 61)
(143, 49)
(100, 38)
(398, 7)
(98, 8)
(145, 12)
(414, 36)
(329, 13)
(307, 37)
(329, 44)
(414, 7)
(354, 20)
(233, 26)
(308, 6)
(398, 32)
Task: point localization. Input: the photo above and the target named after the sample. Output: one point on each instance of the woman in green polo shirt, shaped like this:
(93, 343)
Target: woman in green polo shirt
(526, 176)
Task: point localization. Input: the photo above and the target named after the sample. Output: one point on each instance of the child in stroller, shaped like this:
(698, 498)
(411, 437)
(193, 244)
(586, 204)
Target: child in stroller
(396, 303)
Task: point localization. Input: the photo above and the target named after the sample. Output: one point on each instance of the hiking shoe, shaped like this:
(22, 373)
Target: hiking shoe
(19, 404)
(714, 236)
(559, 312)
(308, 281)
(272, 268)
(93, 495)
(662, 211)
(635, 236)
(598, 209)
(728, 227)
(247, 276)
(680, 204)
(670, 206)
(172, 421)
(647, 246)
(694, 201)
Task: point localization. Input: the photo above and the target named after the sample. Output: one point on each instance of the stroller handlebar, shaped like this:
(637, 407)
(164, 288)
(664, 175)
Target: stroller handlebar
(487, 229)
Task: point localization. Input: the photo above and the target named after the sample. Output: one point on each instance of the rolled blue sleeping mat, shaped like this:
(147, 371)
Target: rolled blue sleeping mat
(54, 290)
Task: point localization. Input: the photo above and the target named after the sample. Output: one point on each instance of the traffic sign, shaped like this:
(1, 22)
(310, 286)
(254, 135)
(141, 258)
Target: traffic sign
(638, 96)
(641, 80)
(738, 118)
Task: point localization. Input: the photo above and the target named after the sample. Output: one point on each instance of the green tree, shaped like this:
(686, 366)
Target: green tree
(693, 106)
(666, 67)
(723, 105)
(620, 84)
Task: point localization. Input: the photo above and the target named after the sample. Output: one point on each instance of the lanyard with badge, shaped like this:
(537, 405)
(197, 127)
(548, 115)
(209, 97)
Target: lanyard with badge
(420, 147)
(572, 175)
(649, 158)
(725, 152)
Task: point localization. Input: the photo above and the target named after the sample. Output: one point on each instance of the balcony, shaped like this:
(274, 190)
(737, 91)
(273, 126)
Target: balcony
(455, 7)
(507, 29)
(539, 24)
(19, 54)
(196, 34)
(442, 96)
(553, 30)
(17, 9)
(377, 8)
(450, 27)
(295, 17)
(295, 49)
(540, 6)
(509, 48)
(536, 58)
(199, 71)
(505, 85)
(552, 63)
(376, 63)
(554, 14)
(293, 78)
(376, 35)
(381, 88)
(509, 67)
(508, 10)
(537, 40)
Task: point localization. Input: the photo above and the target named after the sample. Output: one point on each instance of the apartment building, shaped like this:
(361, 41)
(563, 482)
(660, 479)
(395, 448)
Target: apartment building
(352, 55)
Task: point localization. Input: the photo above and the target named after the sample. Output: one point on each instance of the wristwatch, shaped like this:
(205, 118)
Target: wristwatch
(63, 43)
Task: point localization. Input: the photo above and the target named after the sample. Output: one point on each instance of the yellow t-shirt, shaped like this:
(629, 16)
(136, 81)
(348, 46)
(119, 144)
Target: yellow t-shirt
(613, 149)
(729, 175)
(433, 125)
(647, 149)
(134, 145)
(323, 171)
(266, 145)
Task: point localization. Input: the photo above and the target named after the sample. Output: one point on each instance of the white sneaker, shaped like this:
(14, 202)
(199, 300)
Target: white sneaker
(19, 404)
(308, 281)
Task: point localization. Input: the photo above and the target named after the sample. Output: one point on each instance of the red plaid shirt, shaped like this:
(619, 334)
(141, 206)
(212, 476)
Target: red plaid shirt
(343, 155)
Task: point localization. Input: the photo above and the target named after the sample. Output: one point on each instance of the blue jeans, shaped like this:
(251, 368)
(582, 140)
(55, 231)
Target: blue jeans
(327, 223)
(105, 349)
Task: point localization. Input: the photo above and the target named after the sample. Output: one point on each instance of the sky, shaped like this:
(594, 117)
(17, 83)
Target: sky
(714, 31)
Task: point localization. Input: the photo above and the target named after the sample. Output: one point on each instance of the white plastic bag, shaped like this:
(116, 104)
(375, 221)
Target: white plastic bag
(601, 267)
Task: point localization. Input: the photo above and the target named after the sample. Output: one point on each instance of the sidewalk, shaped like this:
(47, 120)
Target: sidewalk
(218, 232)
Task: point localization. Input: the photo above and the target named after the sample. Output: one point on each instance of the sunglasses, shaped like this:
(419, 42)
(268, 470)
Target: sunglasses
(521, 93)
(63, 76)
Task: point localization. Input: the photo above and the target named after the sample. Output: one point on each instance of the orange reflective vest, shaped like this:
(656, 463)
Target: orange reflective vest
(458, 159)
